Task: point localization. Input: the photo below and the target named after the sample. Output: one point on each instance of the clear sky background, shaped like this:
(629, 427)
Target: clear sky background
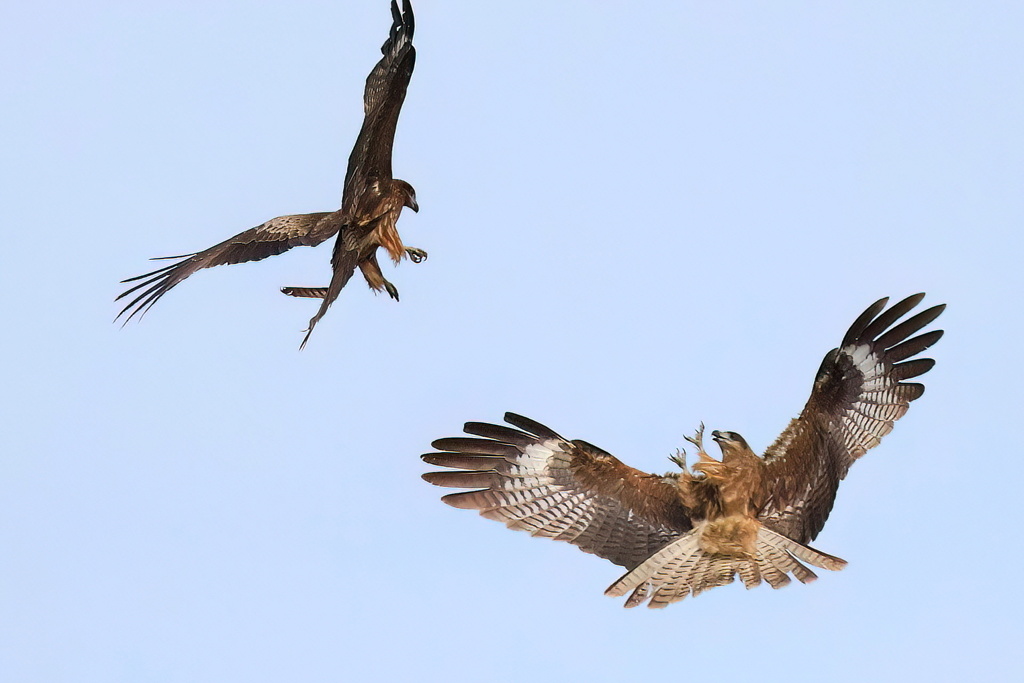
(640, 216)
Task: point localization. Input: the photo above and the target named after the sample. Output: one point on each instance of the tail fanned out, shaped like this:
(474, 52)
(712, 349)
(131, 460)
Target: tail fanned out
(682, 568)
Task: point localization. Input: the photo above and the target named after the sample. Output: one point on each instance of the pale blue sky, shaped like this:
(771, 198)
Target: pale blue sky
(639, 216)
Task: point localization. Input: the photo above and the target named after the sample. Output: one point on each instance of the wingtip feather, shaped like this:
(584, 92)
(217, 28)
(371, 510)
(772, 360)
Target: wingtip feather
(531, 426)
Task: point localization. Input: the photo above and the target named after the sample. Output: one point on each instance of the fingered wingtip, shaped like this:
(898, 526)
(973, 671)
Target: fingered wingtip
(134, 310)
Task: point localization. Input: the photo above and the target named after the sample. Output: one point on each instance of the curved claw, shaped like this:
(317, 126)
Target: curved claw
(391, 290)
(416, 255)
(680, 459)
(697, 439)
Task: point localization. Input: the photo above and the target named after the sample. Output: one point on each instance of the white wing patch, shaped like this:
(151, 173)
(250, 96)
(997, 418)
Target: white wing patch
(534, 487)
(878, 406)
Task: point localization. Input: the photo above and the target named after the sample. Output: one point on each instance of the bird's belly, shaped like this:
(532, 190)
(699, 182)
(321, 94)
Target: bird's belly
(735, 536)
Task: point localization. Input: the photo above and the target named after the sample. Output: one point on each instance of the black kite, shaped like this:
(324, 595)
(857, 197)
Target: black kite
(685, 532)
(371, 200)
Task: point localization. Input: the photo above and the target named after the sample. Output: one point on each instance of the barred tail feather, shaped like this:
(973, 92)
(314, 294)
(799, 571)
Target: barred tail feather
(799, 550)
(683, 568)
(305, 292)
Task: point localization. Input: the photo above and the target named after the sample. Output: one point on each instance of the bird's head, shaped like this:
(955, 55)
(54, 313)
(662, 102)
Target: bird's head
(731, 443)
(408, 195)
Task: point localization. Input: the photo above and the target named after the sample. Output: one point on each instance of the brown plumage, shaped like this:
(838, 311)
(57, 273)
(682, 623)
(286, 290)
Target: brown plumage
(371, 203)
(684, 532)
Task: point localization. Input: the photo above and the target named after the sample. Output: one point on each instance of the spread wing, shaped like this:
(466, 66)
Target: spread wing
(532, 479)
(858, 394)
(269, 239)
(382, 102)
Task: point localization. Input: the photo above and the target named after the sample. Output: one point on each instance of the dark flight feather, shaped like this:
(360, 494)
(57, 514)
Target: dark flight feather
(274, 237)
(858, 395)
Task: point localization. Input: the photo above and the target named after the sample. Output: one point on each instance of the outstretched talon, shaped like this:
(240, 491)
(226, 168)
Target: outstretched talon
(680, 459)
(698, 440)
(391, 290)
(416, 256)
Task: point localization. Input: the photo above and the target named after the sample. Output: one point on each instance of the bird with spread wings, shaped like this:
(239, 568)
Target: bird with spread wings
(685, 532)
(371, 203)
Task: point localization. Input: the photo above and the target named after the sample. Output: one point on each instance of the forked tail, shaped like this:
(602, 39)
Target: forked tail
(682, 568)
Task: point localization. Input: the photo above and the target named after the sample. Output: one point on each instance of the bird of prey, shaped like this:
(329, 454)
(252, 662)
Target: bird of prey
(371, 202)
(682, 533)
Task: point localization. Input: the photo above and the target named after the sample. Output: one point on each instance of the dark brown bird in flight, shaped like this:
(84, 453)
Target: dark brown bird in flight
(371, 202)
(684, 532)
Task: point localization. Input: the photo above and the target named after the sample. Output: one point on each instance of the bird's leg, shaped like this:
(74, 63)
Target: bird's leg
(698, 440)
(375, 278)
(680, 459)
(416, 255)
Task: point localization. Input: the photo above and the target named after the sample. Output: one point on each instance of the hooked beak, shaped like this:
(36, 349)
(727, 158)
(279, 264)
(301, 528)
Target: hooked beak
(412, 204)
